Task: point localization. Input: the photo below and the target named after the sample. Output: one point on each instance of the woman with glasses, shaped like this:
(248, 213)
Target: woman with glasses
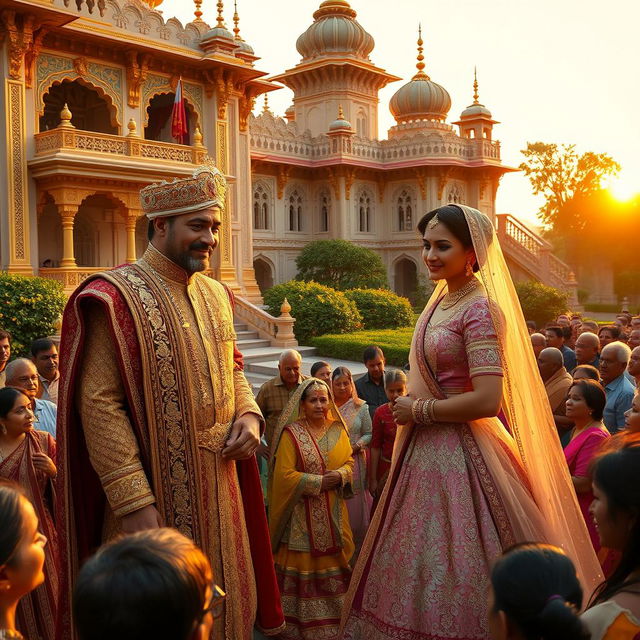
(153, 584)
(27, 457)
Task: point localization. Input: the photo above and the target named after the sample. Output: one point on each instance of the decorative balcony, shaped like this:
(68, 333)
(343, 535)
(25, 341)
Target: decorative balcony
(70, 277)
(67, 140)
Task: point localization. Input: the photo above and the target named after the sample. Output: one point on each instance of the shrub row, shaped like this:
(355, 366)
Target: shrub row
(319, 309)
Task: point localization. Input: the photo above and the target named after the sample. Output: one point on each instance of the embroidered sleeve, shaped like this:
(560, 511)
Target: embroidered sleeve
(310, 483)
(481, 341)
(366, 428)
(112, 445)
(245, 402)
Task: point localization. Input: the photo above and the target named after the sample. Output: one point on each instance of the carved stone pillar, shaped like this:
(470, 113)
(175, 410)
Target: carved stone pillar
(67, 214)
(132, 216)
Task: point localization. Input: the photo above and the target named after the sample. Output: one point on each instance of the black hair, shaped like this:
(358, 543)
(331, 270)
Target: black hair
(41, 344)
(593, 394)
(532, 325)
(557, 329)
(611, 328)
(8, 397)
(151, 230)
(537, 588)
(591, 372)
(317, 383)
(11, 520)
(5, 335)
(452, 217)
(371, 352)
(617, 475)
(316, 366)
(566, 332)
(152, 584)
(338, 372)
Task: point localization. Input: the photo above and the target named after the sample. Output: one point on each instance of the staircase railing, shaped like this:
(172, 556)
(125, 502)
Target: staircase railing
(535, 256)
(278, 330)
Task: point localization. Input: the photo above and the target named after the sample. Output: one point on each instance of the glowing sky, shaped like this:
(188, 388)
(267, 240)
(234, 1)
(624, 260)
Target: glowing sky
(549, 70)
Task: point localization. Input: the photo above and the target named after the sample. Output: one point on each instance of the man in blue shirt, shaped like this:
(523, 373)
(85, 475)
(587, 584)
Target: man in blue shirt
(370, 386)
(555, 338)
(22, 374)
(614, 360)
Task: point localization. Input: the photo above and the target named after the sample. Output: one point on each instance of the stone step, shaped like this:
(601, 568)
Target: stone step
(247, 335)
(238, 326)
(270, 367)
(256, 343)
(269, 354)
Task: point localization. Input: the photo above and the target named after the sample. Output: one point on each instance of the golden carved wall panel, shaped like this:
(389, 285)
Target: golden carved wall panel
(16, 185)
(106, 80)
(222, 160)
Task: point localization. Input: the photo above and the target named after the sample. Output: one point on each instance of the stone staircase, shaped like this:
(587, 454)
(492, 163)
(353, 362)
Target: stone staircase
(261, 359)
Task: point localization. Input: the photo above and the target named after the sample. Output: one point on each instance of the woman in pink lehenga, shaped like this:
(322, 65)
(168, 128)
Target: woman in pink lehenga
(462, 488)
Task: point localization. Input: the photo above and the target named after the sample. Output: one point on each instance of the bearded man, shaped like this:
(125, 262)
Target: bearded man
(158, 425)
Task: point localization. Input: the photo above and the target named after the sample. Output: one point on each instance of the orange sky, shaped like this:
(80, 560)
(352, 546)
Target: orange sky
(549, 70)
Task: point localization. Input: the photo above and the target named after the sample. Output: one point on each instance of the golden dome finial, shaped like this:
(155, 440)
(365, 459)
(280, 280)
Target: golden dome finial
(475, 86)
(340, 113)
(220, 22)
(236, 21)
(266, 109)
(198, 13)
(420, 64)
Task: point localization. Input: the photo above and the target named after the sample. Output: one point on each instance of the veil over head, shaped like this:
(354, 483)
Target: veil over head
(526, 407)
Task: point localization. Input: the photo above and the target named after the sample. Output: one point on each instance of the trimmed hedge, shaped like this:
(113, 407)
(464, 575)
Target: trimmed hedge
(541, 303)
(29, 309)
(395, 343)
(316, 308)
(614, 308)
(381, 309)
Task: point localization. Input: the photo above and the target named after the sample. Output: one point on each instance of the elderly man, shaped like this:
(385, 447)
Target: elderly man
(44, 354)
(22, 374)
(614, 360)
(370, 386)
(538, 342)
(587, 349)
(634, 366)
(5, 354)
(557, 381)
(158, 424)
(556, 338)
(275, 393)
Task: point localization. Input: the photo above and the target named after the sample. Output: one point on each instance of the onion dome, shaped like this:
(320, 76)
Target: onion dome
(476, 109)
(335, 31)
(242, 46)
(341, 124)
(421, 98)
(290, 113)
(219, 31)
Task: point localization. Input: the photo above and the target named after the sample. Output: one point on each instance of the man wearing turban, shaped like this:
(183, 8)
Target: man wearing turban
(157, 423)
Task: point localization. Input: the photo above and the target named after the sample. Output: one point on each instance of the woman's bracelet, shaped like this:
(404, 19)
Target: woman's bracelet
(423, 411)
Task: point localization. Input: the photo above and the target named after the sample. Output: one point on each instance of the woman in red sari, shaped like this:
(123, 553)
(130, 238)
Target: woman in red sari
(27, 457)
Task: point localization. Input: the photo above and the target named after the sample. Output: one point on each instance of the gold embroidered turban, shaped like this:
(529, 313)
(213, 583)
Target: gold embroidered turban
(206, 188)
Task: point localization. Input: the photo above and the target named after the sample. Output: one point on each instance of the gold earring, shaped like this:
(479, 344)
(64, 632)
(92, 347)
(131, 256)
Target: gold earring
(468, 271)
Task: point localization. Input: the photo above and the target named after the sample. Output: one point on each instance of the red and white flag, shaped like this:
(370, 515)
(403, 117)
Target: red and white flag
(179, 129)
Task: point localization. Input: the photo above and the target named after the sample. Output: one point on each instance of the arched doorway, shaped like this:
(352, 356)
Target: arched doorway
(89, 110)
(405, 278)
(159, 126)
(99, 233)
(264, 274)
(49, 235)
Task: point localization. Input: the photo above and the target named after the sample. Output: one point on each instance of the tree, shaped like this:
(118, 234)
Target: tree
(540, 303)
(341, 265)
(566, 179)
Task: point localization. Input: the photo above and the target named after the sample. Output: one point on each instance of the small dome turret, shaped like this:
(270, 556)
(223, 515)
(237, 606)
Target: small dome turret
(421, 98)
(476, 109)
(341, 124)
(335, 31)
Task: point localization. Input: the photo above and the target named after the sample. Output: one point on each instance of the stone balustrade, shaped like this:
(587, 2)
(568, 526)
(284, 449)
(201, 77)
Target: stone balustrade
(278, 330)
(70, 277)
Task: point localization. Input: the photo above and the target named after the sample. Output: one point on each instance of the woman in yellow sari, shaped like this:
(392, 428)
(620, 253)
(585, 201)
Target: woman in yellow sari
(310, 476)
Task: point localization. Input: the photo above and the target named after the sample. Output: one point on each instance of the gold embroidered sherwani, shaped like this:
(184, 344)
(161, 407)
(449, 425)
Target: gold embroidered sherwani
(216, 392)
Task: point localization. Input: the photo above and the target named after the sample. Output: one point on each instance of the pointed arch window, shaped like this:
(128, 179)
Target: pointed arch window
(404, 211)
(261, 217)
(325, 208)
(365, 212)
(294, 205)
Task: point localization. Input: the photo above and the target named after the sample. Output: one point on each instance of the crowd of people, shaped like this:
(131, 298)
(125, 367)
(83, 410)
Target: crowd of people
(431, 505)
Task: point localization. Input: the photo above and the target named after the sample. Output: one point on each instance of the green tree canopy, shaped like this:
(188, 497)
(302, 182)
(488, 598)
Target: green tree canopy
(341, 265)
(565, 178)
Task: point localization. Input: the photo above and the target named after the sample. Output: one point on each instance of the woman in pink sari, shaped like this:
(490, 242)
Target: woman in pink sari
(585, 405)
(27, 458)
(462, 488)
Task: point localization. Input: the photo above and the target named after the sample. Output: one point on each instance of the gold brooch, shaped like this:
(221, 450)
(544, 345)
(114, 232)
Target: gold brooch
(433, 222)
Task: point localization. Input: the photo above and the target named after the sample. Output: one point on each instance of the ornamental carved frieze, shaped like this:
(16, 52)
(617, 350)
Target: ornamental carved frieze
(246, 107)
(18, 30)
(349, 177)
(282, 179)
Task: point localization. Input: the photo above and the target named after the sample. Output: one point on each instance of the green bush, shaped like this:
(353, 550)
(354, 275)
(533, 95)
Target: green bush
(381, 309)
(316, 308)
(29, 308)
(541, 303)
(615, 307)
(395, 344)
(342, 265)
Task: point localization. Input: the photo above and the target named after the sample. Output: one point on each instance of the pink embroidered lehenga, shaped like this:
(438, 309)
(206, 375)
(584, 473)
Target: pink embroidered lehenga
(459, 494)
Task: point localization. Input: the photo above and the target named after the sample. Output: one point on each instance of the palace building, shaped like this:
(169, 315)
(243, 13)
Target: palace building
(88, 88)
